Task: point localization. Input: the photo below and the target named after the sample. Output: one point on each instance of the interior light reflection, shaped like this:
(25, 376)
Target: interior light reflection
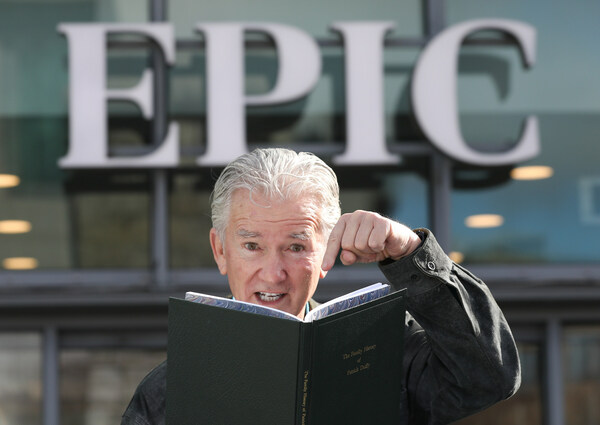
(15, 226)
(481, 221)
(9, 180)
(19, 263)
(532, 172)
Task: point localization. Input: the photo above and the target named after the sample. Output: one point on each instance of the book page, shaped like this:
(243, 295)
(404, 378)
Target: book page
(344, 302)
(232, 304)
(349, 300)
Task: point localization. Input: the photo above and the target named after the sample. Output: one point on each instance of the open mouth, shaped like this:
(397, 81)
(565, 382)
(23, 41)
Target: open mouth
(269, 297)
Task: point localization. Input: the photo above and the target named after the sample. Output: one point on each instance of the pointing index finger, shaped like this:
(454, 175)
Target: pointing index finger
(334, 243)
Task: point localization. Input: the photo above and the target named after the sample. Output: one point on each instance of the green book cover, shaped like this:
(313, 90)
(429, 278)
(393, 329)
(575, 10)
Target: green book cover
(228, 366)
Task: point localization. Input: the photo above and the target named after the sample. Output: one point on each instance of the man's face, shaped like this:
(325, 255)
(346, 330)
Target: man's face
(273, 251)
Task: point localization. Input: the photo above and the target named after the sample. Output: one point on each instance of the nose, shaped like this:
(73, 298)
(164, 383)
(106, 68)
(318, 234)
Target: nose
(273, 268)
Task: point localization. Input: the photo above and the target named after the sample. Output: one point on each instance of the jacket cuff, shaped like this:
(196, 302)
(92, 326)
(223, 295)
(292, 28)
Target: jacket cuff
(424, 269)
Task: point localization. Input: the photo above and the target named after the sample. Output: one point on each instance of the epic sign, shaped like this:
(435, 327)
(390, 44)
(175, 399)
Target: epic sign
(434, 91)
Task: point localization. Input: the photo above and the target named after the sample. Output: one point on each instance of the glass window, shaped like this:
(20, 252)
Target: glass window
(38, 219)
(190, 221)
(525, 407)
(110, 220)
(315, 120)
(311, 16)
(97, 385)
(529, 210)
(20, 378)
(582, 374)
(531, 219)
(560, 80)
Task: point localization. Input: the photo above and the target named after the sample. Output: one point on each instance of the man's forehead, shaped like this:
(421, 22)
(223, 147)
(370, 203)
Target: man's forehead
(259, 197)
(257, 215)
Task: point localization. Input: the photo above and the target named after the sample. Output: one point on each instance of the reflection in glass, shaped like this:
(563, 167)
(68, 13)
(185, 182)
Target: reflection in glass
(15, 226)
(96, 385)
(531, 207)
(20, 379)
(532, 172)
(19, 263)
(190, 221)
(484, 221)
(9, 180)
(34, 127)
(111, 229)
(582, 375)
(312, 16)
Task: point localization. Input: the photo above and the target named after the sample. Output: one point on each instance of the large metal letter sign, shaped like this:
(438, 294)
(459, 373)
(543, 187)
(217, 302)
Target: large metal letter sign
(88, 96)
(299, 71)
(435, 100)
(365, 117)
(434, 92)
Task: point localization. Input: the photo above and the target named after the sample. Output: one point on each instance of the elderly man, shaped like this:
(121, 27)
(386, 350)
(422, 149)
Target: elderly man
(277, 231)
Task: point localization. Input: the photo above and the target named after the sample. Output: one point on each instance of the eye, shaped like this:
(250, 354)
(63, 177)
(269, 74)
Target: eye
(296, 248)
(251, 246)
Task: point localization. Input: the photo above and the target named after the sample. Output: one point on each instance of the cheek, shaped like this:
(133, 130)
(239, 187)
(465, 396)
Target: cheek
(311, 270)
(239, 274)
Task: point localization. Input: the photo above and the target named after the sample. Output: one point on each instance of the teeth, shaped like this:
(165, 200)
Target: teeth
(268, 296)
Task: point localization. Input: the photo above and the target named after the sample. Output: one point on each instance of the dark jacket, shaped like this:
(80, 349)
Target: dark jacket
(460, 356)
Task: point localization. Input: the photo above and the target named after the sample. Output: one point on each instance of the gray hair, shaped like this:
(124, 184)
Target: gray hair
(278, 174)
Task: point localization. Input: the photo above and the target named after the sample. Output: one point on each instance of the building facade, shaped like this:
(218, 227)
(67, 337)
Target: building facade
(104, 193)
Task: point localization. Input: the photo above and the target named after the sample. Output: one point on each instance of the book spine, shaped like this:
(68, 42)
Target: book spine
(304, 373)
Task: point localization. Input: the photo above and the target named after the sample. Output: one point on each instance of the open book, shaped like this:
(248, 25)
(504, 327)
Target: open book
(352, 299)
(231, 362)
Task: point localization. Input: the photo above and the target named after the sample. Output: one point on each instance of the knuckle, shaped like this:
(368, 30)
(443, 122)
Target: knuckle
(347, 246)
(376, 246)
(362, 245)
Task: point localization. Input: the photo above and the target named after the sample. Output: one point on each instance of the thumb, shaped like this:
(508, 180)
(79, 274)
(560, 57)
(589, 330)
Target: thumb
(348, 257)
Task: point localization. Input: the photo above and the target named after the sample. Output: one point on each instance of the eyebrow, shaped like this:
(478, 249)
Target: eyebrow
(247, 234)
(302, 236)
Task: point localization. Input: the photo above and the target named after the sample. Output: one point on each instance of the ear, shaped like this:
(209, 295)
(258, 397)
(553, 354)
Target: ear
(218, 251)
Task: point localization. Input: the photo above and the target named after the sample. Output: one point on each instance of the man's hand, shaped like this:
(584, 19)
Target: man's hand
(366, 237)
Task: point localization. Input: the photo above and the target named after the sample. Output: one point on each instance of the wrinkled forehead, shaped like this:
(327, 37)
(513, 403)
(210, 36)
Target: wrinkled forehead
(302, 204)
(265, 198)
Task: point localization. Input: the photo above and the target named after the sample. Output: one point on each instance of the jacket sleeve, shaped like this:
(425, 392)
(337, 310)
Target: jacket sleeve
(460, 356)
(147, 406)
